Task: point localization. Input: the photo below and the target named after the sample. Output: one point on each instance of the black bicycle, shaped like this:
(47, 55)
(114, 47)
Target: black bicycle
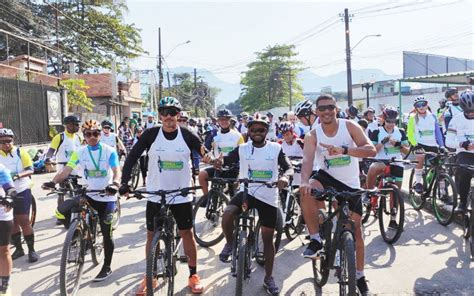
(438, 185)
(135, 175)
(338, 246)
(293, 224)
(468, 216)
(161, 258)
(84, 234)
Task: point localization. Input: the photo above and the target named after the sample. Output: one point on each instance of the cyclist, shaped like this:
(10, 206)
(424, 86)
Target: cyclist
(452, 106)
(353, 113)
(150, 121)
(258, 159)
(101, 168)
(6, 225)
(169, 167)
(299, 131)
(272, 127)
(372, 122)
(306, 113)
(109, 138)
(126, 134)
(20, 165)
(336, 144)
(460, 136)
(134, 123)
(390, 142)
(183, 119)
(291, 145)
(224, 142)
(440, 112)
(243, 125)
(424, 134)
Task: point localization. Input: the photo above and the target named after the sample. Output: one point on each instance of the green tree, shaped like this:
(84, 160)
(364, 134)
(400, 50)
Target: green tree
(266, 82)
(76, 95)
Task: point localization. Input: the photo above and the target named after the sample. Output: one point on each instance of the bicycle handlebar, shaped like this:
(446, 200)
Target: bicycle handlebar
(138, 194)
(389, 161)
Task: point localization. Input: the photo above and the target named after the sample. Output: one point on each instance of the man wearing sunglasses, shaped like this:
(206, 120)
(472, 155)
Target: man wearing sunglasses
(336, 144)
(258, 159)
(424, 133)
(390, 142)
(169, 167)
(452, 105)
(101, 168)
(109, 138)
(20, 165)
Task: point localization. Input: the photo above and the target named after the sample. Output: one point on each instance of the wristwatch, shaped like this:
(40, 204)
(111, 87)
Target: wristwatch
(346, 148)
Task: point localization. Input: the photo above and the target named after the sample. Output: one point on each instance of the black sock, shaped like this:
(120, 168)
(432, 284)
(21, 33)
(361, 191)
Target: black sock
(192, 270)
(30, 242)
(4, 280)
(16, 241)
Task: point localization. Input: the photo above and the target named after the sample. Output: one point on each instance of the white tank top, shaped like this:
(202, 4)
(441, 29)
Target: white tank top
(169, 167)
(4, 215)
(13, 163)
(226, 142)
(425, 129)
(344, 168)
(260, 164)
(110, 140)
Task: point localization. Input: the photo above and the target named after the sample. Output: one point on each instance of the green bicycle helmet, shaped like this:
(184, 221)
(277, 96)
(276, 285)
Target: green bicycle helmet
(170, 102)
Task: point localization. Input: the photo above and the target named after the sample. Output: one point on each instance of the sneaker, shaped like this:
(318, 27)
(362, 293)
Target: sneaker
(33, 257)
(362, 286)
(419, 188)
(226, 253)
(18, 253)
(141, 291)
(313, 250)
(104, 273)
(393, 224)
(194, 282)
(460, 209)
(270, 286)
(6, 293)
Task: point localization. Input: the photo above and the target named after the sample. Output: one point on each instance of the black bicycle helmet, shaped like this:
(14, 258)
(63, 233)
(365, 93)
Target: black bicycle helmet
(370, 109)
(390, 112)
(450, 91)
(466, 100)
(170, 102)
(224, 113)
(353, 111)
(71, 119)
(106, 122)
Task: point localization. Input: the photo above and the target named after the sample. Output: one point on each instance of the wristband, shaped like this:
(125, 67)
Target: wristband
(345, 149)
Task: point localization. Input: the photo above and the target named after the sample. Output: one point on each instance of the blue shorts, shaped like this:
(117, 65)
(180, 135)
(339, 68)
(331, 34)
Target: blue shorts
(22, 205)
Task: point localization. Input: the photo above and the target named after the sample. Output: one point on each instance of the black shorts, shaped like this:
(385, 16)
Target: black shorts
(267, 214)
(224, 174)
(396, 172)
(182, 213)
(5, 232)
(22, 206)
(355, 204)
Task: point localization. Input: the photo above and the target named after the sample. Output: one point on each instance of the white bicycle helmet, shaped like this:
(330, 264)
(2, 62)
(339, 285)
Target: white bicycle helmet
(419, 99)
(304, 108)
(6, 132)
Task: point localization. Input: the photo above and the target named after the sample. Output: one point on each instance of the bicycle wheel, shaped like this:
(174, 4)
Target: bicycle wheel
(207, 218)
(33, 211)
(117, 214)
(416, 200)
(366, 210)
(72, 260)
(347, 277)
(444, 199)
(241, 269)
(471, 231)
(320, 265)
(160, 266)
(258, 252)
(97, 241)
(294, 223)
(135, 176)
(391, 214)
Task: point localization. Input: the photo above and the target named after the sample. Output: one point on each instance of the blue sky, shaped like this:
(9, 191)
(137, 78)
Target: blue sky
(224, 35)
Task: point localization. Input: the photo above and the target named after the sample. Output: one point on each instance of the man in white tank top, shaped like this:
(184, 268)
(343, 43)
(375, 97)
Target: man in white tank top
(336, 144)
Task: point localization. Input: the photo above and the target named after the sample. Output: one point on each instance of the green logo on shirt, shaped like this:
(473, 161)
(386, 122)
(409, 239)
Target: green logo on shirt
(256, 174)
(338, 162)
(226, 150)
(426, 133)
(391, 150)
(171, 165)
(96, 173)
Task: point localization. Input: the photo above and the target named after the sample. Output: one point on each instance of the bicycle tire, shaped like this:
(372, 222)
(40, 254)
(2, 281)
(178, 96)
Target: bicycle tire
(117, 214)
(347, 280)
(74, 236)
(439, 207)
(33, 211)
(241, 268)
(97, 242)
(295, 218)
(213, 222)
(394, 201)
(258, 252)
(135, 176)
(367, 209)
(471, 233)
(320, 266)
(416, 200)
(160, 264)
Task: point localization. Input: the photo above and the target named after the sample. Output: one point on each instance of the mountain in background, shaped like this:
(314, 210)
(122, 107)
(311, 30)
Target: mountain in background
(310, 81)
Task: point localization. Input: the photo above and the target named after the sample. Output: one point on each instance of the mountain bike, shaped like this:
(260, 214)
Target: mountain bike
(135, 175)
(293, 224)
(161, 258)
(438, 185)
(388, 208)
(84, 234)
(338, 246)
(468, 216)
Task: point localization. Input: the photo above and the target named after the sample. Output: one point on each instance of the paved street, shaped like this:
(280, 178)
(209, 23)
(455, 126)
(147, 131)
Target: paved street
(428, 259)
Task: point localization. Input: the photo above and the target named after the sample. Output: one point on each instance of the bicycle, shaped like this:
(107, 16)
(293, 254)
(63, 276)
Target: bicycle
(135, 175)
(208, 211)
(386, 207)
(339, 242)
(294, 223)
(84, 234)
(161, 263)
(246, 240)
(468, 216)
(436, 181)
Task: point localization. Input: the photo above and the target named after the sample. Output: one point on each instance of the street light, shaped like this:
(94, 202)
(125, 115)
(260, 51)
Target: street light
(367, 86)
(365, 37)
(177, 45)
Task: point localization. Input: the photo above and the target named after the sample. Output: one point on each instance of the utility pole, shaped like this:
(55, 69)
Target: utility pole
(58, 56)
(195, 79)
(160, 70)
(290, 86)
(169, 83)
(348, 58)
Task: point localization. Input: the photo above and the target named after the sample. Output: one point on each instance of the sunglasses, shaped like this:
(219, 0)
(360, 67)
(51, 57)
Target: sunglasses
(96, 134)
(169, 111)
(183, 120)
(390, 121)
(258, 130)
(421, 104)
(326, 108)
(106, 127)
(6, 141)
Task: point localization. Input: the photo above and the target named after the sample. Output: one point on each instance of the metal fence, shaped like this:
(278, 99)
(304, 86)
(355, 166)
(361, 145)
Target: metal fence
(24, 109)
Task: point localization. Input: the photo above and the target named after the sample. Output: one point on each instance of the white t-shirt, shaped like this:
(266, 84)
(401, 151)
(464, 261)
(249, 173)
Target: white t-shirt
(460, 130)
